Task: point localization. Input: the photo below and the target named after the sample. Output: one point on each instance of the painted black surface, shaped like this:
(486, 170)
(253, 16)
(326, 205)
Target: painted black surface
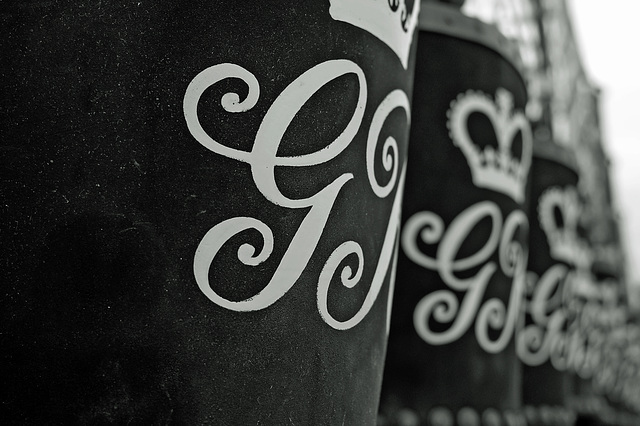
(106, 196)
(545, 385)
(420, 376)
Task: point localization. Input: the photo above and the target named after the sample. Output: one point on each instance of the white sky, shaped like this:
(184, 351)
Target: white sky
(608, 34)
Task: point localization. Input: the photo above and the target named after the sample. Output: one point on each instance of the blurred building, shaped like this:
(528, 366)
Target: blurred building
(564, 108)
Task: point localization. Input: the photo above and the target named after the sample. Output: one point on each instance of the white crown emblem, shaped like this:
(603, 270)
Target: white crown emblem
(563, 239)
(492, 168)
(388, 20)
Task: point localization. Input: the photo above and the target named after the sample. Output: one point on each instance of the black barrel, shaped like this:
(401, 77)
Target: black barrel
(461, 271)
(543, 339)
(200, 208)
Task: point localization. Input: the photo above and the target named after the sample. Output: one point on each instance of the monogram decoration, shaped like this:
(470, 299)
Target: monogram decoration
(443, 316)
(263, 160)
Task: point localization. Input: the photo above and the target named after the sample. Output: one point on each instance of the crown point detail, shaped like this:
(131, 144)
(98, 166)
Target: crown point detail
(493, 167)
(563, 239)
(388, 20)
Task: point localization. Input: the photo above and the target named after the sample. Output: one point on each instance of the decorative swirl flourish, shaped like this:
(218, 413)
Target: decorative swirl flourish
(513, 262)
(230, 102)
(395, 99)
(347, 277)
(430, 227)
(443, 306)
(387, 253)
(212, 243)
(531, 345)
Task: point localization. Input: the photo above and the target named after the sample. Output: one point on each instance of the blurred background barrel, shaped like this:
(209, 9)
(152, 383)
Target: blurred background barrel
(451, 356)
(543, 339)
(200, 208)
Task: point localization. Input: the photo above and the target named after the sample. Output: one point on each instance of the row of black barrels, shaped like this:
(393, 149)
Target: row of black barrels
(240, 213)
